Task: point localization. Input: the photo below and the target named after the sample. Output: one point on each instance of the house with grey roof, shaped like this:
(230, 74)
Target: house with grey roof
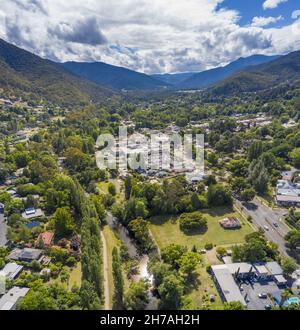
(12, 270)
(228, 289)
(10, 300)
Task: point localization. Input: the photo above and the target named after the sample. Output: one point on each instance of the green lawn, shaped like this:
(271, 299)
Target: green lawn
(166, 230)
(75, 276)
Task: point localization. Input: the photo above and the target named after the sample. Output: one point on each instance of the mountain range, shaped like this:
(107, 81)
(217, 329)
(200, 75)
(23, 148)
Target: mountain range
(261, 77)
(113, 76)
(120, 78)
(75, 83)
(26, 73)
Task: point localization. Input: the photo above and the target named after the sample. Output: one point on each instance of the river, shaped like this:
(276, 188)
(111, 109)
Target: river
(143, 274)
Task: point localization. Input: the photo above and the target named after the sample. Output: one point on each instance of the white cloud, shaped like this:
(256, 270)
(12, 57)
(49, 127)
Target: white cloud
(145, 35)
(296, 14)
(260, 21)
(271, 4)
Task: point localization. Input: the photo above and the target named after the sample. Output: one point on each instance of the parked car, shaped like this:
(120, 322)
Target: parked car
(268, 307)
(266, 228)
(263, 296)
(276, 225)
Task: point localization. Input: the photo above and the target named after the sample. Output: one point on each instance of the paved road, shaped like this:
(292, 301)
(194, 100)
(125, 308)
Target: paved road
(265, 216)
(3, 240)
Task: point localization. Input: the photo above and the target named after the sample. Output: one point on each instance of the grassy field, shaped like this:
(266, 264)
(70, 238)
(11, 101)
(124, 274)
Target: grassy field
(75, 276)
(166, 230)
(111, 242)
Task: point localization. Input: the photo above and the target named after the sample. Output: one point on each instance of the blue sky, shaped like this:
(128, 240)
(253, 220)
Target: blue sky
(152, 36)
(251, 8)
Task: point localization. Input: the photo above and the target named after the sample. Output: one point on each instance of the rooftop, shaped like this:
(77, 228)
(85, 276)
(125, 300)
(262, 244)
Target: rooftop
(32, 213)
(25, 254)
(12, 270)
(11, 298)
(241, 267)
(227, 284)
(274, 268)
(47, 238)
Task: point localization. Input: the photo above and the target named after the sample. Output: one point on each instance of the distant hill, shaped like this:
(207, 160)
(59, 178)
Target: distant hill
(173, 78)
(26, 73)
(265, 76)
(114, 76)
(210, 77)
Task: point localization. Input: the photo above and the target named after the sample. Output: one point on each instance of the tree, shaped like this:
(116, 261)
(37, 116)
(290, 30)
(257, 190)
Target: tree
(289, 266)
(293, 239)
(37, 299)
(295, 157)
(221, 251)
(196, 203)
(234, 306)
(172, 254)
(188, 263)
(141, 210)
(89, 297)
(256, 249)
(248, 194)
(118, 280)
(255, 150)
(74, 158)
(112, 189)
(159, 270)
(128, 187)
(171, 292)
(193, 223)
(63, 222)
(136, 297)
(213, 158)
(219, 195)
(259, 176)
(238, 184)
(139, 228)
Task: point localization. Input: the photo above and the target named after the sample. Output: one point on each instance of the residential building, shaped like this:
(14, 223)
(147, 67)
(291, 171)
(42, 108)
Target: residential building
(10, 300)
(12, 270)
(46, 238)
(288, 193)
(26, 255)
(228, 289)
(32, 213)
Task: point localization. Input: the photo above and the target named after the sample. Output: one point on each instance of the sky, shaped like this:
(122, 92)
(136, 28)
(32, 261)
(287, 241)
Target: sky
(152, 36)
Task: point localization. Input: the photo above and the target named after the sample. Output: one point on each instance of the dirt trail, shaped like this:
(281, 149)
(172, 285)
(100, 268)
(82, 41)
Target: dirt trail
(106, 275)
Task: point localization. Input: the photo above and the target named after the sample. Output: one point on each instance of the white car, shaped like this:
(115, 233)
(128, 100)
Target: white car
(266, 228)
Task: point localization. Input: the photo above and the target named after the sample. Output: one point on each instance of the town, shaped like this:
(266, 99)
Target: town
(149, 161)
(34, 250)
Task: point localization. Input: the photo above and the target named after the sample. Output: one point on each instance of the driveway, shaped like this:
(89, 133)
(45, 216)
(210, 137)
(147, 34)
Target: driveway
(3, 239)
(262, 216)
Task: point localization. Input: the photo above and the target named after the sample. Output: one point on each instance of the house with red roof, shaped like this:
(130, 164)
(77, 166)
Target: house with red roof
(46, 238)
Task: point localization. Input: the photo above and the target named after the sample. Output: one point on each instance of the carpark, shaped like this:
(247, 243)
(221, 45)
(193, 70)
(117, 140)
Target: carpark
(252, 290)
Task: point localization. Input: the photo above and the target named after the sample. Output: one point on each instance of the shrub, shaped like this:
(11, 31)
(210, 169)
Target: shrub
(209, 246)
